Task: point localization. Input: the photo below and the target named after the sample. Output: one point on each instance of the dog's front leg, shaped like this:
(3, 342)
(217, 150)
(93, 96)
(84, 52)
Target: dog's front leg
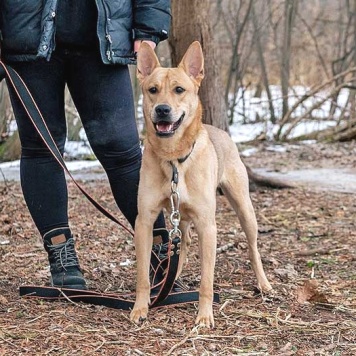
(143, 245)
(207, 251)
(186, 240)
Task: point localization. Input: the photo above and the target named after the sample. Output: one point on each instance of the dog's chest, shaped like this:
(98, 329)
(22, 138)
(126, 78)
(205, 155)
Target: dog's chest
(192, 193)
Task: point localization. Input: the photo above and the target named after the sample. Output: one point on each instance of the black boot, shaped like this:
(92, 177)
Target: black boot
(159, 253)
(63, 260)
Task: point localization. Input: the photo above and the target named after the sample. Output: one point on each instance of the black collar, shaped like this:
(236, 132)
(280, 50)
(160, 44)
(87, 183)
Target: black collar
(180, 160)
(183, 159)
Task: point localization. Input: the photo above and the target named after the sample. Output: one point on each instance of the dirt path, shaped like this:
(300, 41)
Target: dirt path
(324, 179)
(324, 167)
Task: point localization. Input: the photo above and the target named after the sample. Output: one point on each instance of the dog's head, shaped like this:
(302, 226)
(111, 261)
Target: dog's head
(170, 95)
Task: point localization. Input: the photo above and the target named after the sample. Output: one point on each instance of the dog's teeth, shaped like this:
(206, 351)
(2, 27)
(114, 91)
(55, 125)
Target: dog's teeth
(164, 127)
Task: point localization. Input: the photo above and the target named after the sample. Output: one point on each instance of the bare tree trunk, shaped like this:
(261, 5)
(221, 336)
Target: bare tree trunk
(289, 17)
(191, 22)
(263, 64)
(353, 91)
(234, 76)
(3, 117)
(342, 61)
(10, 150)
(9, 141)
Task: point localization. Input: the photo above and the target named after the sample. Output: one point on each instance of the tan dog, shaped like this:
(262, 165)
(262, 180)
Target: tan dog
(173, 117)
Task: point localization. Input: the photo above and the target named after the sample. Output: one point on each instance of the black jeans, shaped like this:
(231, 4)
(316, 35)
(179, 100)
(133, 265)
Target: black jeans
(103, 97)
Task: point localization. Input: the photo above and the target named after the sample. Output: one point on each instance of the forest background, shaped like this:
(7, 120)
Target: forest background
(280, 62)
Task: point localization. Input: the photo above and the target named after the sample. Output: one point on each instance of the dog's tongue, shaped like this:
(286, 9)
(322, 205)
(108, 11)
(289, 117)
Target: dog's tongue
(164, 126)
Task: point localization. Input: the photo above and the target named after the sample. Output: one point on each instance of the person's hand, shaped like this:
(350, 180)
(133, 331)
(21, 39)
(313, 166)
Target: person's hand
(137, 44)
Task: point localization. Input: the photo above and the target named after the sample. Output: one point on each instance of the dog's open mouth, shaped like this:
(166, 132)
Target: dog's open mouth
(166, 128)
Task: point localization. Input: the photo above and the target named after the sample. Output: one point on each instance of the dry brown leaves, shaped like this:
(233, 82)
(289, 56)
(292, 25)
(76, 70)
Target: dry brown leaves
(307, 241)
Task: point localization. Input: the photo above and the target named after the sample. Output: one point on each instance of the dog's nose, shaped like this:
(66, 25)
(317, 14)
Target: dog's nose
(163, 110)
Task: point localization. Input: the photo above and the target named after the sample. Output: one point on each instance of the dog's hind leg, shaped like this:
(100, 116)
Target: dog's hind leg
(234, 184)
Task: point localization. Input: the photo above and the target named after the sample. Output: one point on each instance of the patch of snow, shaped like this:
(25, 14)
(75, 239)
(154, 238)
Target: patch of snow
(249, 152)
(252, 119)
(75, 149)
(276, 148)
(9, 165)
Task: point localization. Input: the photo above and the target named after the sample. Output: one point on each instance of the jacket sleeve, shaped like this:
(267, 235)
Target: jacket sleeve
(152, 19)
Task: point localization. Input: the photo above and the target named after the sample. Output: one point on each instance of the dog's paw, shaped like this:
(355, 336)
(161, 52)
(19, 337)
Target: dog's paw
(138, 315)
(265, 288)
(205, 320)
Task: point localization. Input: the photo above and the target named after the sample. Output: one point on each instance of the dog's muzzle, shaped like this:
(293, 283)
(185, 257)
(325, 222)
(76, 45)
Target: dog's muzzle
(163, 121)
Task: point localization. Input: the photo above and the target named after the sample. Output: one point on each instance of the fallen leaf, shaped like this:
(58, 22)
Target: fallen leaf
(309, 293)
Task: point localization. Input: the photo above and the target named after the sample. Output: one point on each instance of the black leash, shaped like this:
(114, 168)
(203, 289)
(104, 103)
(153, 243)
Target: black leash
(124, 301)
(104, 299)
(109, 300)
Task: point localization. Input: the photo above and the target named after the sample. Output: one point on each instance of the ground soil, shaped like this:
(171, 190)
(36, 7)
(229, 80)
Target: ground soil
(307, 239)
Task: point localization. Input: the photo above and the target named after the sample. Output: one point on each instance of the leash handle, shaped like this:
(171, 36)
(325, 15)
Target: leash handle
(35, 115)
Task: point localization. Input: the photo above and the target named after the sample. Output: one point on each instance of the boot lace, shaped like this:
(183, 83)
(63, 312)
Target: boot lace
(64, 254)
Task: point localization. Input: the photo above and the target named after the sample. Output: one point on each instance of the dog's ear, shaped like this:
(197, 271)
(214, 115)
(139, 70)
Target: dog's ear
(147, 61)
(193, 62)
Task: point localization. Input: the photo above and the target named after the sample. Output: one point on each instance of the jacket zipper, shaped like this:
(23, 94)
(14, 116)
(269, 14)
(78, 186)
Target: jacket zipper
(107, 36)
(108, 52)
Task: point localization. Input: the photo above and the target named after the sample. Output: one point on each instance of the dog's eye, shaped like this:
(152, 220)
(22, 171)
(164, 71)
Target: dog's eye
(153, 90)
(179, 90)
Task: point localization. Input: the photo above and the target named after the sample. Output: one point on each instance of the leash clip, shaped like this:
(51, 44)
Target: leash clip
(175, 218)
(175, 200)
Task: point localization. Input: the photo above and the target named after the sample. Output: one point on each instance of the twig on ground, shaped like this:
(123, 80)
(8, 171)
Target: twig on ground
(224, 248)
(316, 251)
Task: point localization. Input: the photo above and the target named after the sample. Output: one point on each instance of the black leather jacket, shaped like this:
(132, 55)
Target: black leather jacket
(28, 27)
